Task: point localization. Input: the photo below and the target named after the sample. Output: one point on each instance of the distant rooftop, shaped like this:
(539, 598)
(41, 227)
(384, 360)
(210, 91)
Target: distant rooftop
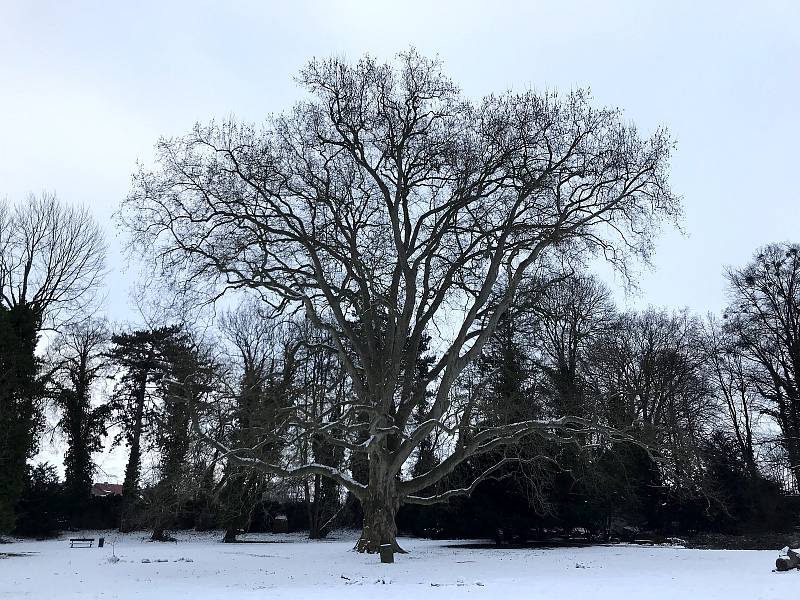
(107, 489)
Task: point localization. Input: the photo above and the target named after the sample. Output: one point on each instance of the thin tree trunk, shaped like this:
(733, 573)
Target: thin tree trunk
(131, 483)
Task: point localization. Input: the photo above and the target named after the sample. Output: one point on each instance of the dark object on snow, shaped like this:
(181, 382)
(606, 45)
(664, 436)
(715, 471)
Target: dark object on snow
(280, 524)
(101, 542)
(387, 553)
(788, 562)
(624, 533)
(782, 564)
(81, 542)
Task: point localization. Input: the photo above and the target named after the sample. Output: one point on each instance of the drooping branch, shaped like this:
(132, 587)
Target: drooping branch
(458, 492)
(247, 457)
(564, 430)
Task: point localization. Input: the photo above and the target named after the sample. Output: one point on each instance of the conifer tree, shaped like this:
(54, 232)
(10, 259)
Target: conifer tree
(140, 358)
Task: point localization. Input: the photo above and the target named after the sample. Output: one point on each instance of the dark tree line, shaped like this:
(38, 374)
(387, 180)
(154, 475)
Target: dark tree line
(696, 454)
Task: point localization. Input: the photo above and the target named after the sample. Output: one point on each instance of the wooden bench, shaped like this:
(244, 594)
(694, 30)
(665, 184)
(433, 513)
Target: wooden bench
(81, 542)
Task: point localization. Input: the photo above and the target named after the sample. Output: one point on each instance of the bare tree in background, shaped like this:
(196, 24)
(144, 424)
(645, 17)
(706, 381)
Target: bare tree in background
(52, 258)
(389, 207)
(262, 369)
(573, 314)
(735, 387)
(764, 319)
(650, 370)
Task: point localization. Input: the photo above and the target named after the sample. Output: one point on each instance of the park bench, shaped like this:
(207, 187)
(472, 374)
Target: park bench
(81, 542)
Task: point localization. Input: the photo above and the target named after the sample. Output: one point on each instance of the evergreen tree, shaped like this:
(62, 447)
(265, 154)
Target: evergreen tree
(504, 365)
(140, 356)
(187, 372)
(21, 393)
(80, 357)
(39, 511)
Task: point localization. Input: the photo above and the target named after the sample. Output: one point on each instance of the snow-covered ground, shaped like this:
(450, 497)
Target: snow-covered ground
(201, 568)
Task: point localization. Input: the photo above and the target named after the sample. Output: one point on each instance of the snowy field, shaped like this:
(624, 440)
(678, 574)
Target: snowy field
(201, 568)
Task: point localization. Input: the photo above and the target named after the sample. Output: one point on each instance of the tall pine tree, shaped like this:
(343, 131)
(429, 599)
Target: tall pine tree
(140, 357)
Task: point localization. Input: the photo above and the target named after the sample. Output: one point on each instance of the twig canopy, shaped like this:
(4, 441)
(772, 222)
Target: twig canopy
(388, 206)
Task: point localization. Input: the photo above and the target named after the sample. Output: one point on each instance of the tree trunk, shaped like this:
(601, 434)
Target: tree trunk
(130, 485)
(230, 535)
(158, 534)
(380, 507)
(379, 527)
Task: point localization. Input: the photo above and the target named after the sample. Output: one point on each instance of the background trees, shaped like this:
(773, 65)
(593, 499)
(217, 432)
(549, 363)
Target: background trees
(735, 389)
(414, 324)
(79, 359)
(52, 258)
(390, 205)
(141, 359)
(262, 379)
(648, 372)
(322, 393)
(763, 320)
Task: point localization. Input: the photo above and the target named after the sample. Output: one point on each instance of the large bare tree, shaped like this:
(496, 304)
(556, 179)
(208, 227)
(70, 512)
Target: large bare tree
(389, 207)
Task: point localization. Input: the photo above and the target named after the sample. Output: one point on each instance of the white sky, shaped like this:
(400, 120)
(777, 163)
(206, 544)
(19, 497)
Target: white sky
(86, 88)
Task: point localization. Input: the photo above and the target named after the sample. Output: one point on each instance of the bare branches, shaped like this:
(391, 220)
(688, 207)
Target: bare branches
(389, 207)
(52, 257)
(453, 493)
(763, 320)
(247, 457)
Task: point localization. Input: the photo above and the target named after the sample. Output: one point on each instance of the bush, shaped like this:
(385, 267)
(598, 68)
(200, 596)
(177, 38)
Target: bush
(39, 509)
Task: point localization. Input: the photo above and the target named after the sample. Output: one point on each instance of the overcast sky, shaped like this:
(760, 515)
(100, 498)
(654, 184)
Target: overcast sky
(87, 88)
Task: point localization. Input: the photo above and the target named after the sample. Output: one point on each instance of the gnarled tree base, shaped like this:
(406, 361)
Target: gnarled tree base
(230, 536)
(373, 547)
(160, 535)
(378, 529)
